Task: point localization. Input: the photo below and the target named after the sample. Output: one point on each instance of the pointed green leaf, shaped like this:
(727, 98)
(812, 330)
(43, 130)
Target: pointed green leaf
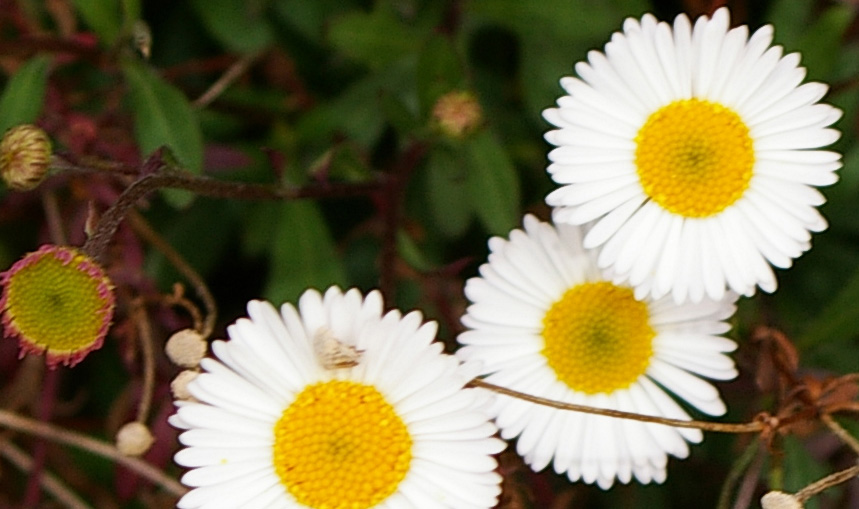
(24, 95)
(447, 192)
(103, 16)
(411, 253)
(801, 469)
(790, 19)
(493, 184)
(375, 38)
(303, 254)
(163, 117)
(837, 321)
(240, 26)
(439, 71)
(821, 44)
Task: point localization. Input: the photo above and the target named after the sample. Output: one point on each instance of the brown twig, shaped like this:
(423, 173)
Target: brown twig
(144, 329)
(60, 435)
(54, 218)
(749, 427)
(40, 450)
(233, 72)
(177, 298)
(746, 492)
(826, 483)
(840, 432)
(752, 451)
(142, 227)
(97, 243)
(390, 204)
(50, 483)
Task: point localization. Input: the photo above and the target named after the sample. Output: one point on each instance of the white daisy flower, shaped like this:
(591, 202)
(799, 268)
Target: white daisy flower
(690, 150)
(335, 405)
(544, 321)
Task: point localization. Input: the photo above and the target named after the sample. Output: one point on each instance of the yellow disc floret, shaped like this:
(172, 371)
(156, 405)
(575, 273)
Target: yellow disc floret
(59, 301)
(694, 157)
(598, 338)
(341, 445)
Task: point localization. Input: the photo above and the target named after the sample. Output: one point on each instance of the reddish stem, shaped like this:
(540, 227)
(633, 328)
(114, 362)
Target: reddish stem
(34, 484)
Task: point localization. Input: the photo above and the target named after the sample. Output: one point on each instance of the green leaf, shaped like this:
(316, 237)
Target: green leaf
(439, 71)
(801, 469)
(202, 248)
(240, 26)
(374, 39)
(308, 17)
(105, 17)
(821, 44)
(447, 192)
(355, 112)
(790, 19)
(303, 254)
(398, 113)
(837, 321)
(24, 95)
(561, 19)
(131, 12)
(493, 184)
(544, 64)
(411, 253)
(163, 117)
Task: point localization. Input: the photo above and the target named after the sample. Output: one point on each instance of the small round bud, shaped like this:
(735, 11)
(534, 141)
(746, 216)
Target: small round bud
(25, 153)
(457, 114)
(780, 500)
(134, 439)
(186, 348)
(179, 385)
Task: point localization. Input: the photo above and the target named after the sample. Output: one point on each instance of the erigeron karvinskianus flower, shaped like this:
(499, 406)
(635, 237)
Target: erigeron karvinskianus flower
(545, 321)
(335, 405)
(694, 151)
(57, 301)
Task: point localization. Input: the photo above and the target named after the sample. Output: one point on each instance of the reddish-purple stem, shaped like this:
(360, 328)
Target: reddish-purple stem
(40, 450)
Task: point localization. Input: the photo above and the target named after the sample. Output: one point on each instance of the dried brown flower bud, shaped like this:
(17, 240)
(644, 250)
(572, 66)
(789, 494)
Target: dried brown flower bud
(186, 348)
(25, 153)
(457, 114)
(179, 385)
(134, 439)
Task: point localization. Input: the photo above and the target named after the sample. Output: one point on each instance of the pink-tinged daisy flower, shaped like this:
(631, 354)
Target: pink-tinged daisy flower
(544, 320)
(57, 301)
(335, 405)
(694, 152)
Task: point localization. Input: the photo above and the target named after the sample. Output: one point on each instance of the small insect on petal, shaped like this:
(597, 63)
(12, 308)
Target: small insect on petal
(333, 353)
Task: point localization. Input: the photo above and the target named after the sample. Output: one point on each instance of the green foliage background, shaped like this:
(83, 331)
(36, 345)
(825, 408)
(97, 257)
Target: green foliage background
(342, 92)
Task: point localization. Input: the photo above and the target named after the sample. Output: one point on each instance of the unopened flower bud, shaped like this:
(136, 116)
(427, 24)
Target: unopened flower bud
(780, 500)
(457, 114)
(186, 348)
(134, 439)
(179, 385)
(25, 153)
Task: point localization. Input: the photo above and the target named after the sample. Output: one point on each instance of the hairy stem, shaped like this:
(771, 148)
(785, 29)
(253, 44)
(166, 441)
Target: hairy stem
(96, 245)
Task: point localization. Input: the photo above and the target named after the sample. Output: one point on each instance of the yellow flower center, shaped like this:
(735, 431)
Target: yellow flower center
(694, 157)
(598, 338)
(58, 300)
(341, 445)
